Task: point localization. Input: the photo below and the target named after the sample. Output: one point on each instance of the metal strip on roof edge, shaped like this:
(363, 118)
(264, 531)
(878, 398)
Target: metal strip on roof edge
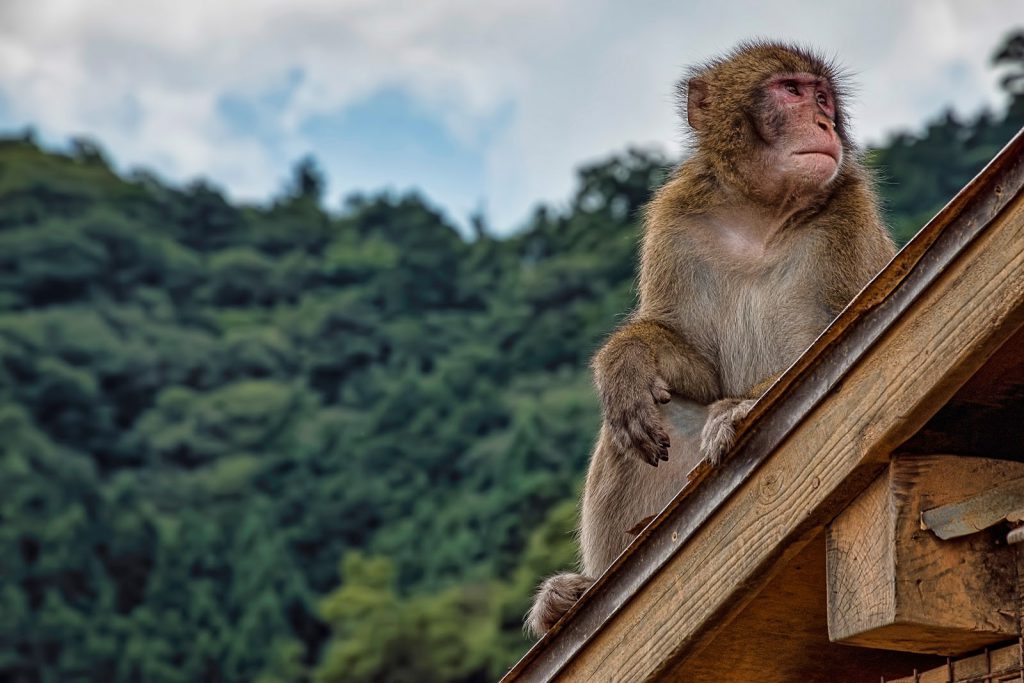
(784, 405)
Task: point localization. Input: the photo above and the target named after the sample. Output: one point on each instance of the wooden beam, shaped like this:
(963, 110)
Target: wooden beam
(894, 586)
(902, 349)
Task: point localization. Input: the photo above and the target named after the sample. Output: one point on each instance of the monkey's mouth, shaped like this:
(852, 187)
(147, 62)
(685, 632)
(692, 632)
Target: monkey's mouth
(831, 154)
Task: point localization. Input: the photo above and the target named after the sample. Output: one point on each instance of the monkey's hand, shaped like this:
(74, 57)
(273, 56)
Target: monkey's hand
(719, 432)
(633, 417)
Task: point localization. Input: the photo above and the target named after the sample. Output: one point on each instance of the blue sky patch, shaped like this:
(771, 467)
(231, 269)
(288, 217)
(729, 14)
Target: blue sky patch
(388, 140)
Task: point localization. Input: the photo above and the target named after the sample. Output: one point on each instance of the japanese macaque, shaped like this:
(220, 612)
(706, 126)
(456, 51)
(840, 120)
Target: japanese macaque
(757, 241)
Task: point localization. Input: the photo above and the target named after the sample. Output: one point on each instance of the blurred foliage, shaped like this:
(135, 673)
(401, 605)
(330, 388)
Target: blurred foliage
(279, 444)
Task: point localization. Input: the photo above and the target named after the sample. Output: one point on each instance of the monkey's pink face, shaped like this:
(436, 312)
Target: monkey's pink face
(806, 151)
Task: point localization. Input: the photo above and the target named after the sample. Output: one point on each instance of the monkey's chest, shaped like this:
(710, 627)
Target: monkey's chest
(762, 328)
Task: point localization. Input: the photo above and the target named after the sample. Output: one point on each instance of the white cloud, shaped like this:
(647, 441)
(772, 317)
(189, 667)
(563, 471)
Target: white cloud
(581, 78)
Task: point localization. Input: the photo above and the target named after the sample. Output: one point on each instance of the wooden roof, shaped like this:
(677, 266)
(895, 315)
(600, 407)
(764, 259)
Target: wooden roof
(928, 358)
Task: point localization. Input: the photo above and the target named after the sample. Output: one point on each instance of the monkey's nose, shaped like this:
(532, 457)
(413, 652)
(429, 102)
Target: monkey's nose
(824, 122)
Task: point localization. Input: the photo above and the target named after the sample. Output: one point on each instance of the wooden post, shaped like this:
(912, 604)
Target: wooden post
(894, 585)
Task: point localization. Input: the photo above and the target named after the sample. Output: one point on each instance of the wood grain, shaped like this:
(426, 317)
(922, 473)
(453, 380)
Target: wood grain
(896, 586)
(859, 561)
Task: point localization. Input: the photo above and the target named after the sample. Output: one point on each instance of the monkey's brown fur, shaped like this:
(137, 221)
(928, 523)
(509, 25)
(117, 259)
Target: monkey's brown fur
(742, 266)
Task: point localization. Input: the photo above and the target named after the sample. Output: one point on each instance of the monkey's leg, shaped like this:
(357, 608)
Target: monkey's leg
(620, 492)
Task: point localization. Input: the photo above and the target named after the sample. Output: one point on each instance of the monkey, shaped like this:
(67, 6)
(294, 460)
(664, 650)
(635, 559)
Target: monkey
(756, 242)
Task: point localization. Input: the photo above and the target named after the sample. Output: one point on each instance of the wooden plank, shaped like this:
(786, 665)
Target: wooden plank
(959, 319)
(1002, 665)
(893, 585)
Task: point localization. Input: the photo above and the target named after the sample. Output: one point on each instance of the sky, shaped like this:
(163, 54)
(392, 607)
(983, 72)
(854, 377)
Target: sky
(481, 106)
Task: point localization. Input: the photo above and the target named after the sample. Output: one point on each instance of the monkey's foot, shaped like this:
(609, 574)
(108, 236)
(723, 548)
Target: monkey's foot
(719, 432)
(554, 598)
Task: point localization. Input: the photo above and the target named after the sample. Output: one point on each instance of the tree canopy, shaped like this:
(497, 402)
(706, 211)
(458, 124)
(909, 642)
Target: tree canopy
(285, 444)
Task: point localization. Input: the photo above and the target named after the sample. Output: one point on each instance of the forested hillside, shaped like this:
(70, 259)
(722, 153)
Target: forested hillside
(284, 443)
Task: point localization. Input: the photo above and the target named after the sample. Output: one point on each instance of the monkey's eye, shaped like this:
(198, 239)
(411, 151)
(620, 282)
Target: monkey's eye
(822, 99)
(792, 87)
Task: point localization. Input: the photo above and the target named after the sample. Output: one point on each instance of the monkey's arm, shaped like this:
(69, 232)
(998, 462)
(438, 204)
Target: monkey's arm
(641, 366)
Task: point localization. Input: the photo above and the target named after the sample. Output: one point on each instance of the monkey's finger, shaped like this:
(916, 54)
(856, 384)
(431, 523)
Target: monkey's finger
(653, 436)
(647, 455)
(628, 439)
(657, 449)
(651, 453)
(660, 391)
(663, 441)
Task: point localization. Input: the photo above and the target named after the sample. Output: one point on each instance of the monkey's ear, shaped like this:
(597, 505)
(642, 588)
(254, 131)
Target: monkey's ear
(696, 102)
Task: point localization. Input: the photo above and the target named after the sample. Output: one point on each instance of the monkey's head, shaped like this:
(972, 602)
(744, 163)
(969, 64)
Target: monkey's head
(767, 119)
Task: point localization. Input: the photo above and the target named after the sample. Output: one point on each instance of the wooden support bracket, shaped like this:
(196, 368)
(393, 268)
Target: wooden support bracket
(894, 585)
(1004, 501)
